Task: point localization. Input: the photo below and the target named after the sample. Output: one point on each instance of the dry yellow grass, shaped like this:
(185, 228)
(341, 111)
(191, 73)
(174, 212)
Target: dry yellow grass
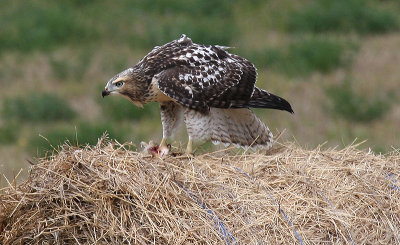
(108, 194)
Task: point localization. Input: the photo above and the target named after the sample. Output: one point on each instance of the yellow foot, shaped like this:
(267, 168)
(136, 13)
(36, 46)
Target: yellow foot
(163, 142)
(189, 150)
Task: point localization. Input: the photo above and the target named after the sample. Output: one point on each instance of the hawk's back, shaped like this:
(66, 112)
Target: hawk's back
(200, 76)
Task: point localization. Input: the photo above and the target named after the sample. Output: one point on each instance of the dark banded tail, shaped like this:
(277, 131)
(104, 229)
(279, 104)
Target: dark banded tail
(264, 99)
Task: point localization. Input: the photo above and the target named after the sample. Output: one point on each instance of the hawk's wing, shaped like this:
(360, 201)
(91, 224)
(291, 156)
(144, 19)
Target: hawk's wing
(224, 82)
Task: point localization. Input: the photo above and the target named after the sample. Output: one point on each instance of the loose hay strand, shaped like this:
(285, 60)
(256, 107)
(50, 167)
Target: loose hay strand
(108, 194)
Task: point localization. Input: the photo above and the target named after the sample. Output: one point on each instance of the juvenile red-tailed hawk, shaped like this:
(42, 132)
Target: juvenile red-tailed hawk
(210, 88)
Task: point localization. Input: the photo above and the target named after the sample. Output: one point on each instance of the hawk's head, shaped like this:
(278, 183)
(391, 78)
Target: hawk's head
(127, 84)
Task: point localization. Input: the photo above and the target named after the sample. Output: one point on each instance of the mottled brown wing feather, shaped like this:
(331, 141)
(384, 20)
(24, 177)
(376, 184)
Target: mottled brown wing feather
(222, 83)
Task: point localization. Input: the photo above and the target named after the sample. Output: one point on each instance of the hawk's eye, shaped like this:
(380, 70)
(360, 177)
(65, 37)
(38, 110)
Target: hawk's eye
(119, 84)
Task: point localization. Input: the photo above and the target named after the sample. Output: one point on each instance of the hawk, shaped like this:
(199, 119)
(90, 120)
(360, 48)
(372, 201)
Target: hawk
(210, 88)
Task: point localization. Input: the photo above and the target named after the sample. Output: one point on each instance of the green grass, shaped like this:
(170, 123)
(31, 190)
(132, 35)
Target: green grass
(84, 133)
(45, 24)
(203, 30)
(41, 25)
(361, 16)
(304, 56)
(268, 57)
(208, 22)
(348, 104)
(35, 107)
(9, 133)
(117, 108)
(72, 68)
(314, 54)
(194, 8)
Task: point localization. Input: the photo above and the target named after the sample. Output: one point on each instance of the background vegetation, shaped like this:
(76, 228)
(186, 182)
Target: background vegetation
(335, 61)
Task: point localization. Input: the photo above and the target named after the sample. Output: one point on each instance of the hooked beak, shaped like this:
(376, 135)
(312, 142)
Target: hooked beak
(105, 92)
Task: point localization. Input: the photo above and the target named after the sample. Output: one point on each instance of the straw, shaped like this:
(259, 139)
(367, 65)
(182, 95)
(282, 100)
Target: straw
(109, 194)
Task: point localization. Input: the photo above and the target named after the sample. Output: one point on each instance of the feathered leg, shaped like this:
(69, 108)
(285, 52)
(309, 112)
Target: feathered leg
(170, 118)
(171, 114)
(198, 127)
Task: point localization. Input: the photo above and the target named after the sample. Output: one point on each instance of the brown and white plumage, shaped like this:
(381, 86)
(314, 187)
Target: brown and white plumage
(209, 87)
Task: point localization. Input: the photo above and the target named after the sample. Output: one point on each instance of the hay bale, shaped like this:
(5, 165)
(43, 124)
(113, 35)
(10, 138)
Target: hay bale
(107, 194)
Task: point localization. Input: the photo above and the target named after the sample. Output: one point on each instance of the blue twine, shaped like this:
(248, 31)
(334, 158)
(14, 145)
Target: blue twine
(228, 237)
(274, 201)
(392, 178)
(230, 195)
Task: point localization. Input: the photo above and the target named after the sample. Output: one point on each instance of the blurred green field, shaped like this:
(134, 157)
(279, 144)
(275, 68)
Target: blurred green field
(337, 62)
